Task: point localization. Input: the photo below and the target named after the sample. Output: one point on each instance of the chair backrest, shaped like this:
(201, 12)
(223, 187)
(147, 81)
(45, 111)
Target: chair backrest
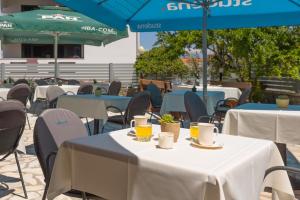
(52, 94)
(194, 106)
(19, 81)
(20, 92)
(244, 98)
(164, 86)
(41, 82)
(138, 105)
(155, 95)
(52, 128)
(114, 88)
(12, 122)
(85, 89)
(73, 82)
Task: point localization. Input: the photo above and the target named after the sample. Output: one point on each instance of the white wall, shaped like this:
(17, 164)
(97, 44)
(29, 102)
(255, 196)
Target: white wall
(122, 51)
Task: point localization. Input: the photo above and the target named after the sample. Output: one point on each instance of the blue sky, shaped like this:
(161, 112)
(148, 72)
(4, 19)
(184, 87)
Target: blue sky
(148, 39)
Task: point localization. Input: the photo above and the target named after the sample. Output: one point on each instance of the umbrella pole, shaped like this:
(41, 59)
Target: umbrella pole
(55, 55)
(204, 50)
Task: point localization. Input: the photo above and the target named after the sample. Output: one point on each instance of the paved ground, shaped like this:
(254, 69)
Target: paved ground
(10, 186)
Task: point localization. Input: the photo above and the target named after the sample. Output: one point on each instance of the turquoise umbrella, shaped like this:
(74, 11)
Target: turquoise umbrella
(173, 15)
(56, 25)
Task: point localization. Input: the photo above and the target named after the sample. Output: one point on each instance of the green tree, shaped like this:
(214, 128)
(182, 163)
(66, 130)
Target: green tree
(158, 63)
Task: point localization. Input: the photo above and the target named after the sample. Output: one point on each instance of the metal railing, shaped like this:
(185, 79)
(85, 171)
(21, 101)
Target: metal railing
(100, 72)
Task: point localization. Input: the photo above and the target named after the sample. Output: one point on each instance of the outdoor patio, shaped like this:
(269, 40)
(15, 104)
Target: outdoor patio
(11, 189)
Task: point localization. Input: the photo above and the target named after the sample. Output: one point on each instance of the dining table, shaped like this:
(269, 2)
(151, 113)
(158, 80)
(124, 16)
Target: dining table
(117, 166)
(229, 92)
(265, 121)
(92, 106)
(4, 92)
(40, 90)
(174, 101)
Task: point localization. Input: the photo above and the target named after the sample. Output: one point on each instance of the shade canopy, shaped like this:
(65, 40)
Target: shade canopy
(40, 25)
(166, 15)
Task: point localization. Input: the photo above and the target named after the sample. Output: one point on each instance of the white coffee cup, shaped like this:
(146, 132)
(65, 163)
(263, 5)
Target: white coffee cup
(139, 120)
(207, 136)
(166, 140)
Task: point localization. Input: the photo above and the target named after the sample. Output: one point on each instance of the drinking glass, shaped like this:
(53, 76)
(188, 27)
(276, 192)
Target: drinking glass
(194, 131)
(143, 132)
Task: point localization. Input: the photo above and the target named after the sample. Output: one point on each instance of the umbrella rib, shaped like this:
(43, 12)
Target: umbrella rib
(101, 2)
(294, 2)
(138, 10)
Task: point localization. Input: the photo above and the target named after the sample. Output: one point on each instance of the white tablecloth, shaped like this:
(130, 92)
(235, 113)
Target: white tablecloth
(116, 166)
(3, 92)
(174, 101)
(229, 91)
(92, 106)
(264, 121)
(40, 91)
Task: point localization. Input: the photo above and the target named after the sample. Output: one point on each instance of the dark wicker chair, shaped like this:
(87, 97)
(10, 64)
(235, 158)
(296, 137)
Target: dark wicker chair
(12, 123)
(20, 81)
(20, 92)
(114, 88)
(155, 97)
(85, 89)
(49, 135)
(224, 105)
(52, 94)
(41, 82)
(195, 108)
(138, 105)
(73, 82)
(292, 172)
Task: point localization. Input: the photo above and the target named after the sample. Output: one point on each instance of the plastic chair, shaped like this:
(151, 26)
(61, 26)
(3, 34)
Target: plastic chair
(52, 128)
(12, 123)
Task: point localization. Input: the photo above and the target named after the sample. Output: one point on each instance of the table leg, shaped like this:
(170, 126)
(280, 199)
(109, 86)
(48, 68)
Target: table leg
(96, 126)
(282, 149)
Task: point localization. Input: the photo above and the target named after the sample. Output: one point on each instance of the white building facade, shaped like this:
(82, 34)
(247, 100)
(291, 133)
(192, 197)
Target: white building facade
(123, 51)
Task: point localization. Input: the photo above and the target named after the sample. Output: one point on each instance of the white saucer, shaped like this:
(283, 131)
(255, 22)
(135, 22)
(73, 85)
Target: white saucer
(216, 145)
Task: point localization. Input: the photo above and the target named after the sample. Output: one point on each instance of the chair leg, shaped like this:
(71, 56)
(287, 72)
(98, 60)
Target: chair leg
(84, 196)
(87, 122)
(28, 121)
(20, 173)
(45, 191)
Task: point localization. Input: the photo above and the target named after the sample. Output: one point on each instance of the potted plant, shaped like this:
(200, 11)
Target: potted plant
(59, 83)
(168, 124)
(282, 101)
(98, 92)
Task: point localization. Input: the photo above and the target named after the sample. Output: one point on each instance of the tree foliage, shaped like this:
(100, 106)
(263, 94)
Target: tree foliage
(160, 63)
(271, 51)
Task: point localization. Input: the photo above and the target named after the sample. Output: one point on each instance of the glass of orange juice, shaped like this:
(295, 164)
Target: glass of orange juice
(194, 131)
(143, 132)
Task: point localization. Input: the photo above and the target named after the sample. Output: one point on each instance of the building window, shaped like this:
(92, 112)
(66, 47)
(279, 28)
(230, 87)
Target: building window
(47, 50)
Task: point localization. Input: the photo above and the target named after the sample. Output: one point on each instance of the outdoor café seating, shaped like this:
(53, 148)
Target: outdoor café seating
(20, 92)
(138, 105)
(12, 123)
(19, 81)
(195, 108)
(223, 106)
(48, 137)
(155, 97)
